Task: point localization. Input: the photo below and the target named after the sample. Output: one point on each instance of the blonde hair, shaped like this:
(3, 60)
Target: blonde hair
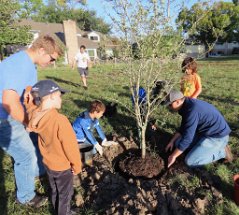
(48, 43)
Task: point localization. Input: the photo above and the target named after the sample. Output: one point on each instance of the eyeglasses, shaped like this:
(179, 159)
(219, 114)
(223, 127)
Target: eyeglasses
(52, 59)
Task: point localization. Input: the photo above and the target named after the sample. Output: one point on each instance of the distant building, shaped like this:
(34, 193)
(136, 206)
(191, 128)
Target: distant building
(219, 49)
(196, 51)
(225, 48)
(71, 37)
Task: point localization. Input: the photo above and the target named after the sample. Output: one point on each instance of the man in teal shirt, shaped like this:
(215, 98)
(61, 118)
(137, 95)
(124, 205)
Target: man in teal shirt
(16, 73)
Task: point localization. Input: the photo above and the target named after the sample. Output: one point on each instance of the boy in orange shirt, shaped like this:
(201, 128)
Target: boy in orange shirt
(56, 139)
(191, 82)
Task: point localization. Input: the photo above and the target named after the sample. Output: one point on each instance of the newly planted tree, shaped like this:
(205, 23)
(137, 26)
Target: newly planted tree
(152, 52)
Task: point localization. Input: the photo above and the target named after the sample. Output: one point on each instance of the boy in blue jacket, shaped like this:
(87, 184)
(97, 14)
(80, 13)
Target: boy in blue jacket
(86, 122)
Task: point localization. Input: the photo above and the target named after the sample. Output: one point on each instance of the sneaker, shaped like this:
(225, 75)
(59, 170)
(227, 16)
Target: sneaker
(229, 156)
(37, 201)
(85, 87)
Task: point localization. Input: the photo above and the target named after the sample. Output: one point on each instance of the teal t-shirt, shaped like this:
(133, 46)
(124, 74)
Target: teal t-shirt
(16, 73)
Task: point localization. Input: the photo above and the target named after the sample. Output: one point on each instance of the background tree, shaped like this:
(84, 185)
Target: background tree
(218, 22)
(10, 33)
(56, 11)
(30, 8)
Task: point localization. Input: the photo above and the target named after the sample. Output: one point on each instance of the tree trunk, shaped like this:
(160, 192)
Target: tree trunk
(143, 142)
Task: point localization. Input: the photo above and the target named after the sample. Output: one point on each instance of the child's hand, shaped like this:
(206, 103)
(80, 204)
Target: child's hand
(104, 142)
(73, 172)
(99, 148)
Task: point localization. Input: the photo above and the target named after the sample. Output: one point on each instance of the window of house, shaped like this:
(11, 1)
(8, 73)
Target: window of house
(94, 38)
(91, 54)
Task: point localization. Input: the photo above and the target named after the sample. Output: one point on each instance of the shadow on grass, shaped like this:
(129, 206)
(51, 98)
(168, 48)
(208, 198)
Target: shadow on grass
(223, 100)
(63, 81)
(209, 176)
(3, 195)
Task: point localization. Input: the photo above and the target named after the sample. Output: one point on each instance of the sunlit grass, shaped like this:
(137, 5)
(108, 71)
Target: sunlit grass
(220, 81)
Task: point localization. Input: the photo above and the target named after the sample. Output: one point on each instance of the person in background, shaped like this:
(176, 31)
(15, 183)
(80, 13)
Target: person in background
(86, 122)
(190, 82)
(18, 71)
(83, 62)
(57, 142)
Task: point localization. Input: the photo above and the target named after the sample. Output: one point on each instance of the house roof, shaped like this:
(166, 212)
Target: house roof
(87, 43)
(105, 39)
(57, 29)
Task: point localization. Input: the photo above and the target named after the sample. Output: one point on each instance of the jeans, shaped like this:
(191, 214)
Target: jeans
(15, 140)
(61, 183)
(94, 151)
(206, 150)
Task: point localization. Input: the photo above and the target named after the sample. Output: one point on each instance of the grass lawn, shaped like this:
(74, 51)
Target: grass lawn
(220, 81)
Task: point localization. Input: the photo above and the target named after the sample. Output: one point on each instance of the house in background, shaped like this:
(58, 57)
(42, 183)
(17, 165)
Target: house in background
(195, 51)
(219, 49)
(68, 34)
(105, 42)
(225, 48)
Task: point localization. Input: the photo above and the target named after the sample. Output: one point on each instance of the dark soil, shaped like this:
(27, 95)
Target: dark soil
(135, 166)
(100, 189)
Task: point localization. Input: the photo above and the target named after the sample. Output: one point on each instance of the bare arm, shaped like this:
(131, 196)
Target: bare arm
(197, 92)
(89, 63)
(198, 88)
(11, 103)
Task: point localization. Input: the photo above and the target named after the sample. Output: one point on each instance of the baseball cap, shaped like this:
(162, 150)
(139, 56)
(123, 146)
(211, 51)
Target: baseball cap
(46, 87)
(173, 96)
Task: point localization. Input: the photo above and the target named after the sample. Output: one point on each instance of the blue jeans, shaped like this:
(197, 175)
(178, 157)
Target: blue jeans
(88, 142)
(15, 140)
(206, 150)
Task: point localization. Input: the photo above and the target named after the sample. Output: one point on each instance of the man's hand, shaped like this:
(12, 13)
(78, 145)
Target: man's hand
(171, 160)
(169, 146)
(99, 148)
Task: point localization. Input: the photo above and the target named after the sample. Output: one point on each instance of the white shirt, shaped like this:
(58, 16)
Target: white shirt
(82, 59)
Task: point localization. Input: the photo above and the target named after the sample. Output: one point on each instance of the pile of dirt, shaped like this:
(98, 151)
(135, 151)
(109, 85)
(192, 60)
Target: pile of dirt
(102, 190)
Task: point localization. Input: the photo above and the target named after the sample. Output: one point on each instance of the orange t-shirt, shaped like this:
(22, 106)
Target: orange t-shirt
(190, 84)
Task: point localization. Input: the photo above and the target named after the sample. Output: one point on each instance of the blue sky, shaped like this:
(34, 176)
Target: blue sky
(99, 6)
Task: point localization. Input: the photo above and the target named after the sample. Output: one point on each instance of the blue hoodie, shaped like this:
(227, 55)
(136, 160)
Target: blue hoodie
(84, 126)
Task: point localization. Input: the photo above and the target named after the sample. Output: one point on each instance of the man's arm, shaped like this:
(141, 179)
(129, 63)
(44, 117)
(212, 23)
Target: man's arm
(11, 103)
(172, 141)
(173, 156)
(187, 130)
(88, 61)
